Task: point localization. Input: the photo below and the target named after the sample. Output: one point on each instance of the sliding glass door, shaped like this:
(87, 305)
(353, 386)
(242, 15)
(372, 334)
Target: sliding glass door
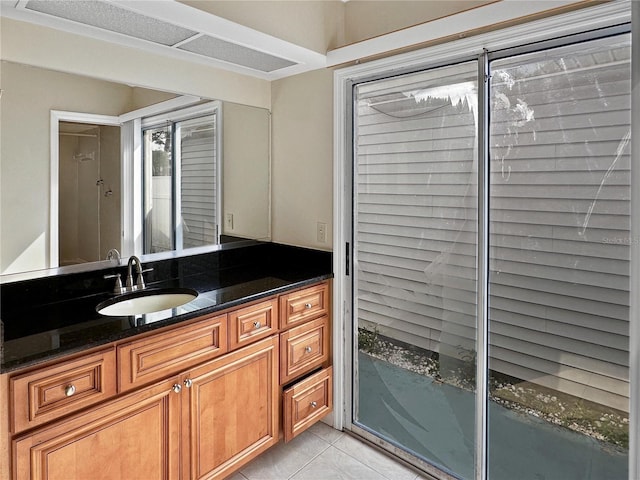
(555, 121)
(415, 217)
(559, 262)
(182, 194)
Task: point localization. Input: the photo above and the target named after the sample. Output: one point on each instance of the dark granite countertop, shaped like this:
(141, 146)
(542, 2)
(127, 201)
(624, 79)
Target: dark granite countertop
(49, 318)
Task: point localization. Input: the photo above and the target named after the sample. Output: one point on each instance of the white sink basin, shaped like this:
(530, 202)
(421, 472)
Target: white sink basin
(146, 301)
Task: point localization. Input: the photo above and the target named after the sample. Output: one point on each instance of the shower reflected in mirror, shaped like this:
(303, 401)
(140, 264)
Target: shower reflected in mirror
(89, 186)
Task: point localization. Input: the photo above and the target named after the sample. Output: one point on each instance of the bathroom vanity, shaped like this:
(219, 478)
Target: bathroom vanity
(193, 392)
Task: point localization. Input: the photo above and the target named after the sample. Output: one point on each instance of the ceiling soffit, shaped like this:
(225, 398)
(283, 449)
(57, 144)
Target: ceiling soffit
(170, 28)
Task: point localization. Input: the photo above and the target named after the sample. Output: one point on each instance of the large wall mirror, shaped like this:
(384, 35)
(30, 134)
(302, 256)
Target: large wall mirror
(83, 192)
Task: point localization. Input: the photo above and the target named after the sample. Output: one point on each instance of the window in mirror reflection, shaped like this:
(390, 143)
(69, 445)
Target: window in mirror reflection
(158, 160)
(181, 191)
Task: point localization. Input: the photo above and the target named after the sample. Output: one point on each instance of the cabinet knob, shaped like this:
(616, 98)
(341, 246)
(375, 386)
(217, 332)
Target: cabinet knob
(188, 382)
(313, 404)
(69, 390)
(308, 349)
(177, 387)
(257, 324)
(307, 306)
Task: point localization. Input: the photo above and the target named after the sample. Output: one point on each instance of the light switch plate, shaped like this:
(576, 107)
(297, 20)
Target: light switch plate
(322, 232)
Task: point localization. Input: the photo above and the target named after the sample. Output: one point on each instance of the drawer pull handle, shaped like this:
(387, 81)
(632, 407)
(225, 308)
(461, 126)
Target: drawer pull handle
(307, 306)
(69, 390)
(188, 382)
(257, 324)
(314, 404)
(308, 349)
(177, 387)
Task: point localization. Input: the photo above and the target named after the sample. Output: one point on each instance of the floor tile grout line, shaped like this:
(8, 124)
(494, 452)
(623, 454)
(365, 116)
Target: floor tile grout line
(334, 441)
(362, 463)
(325, 445)
(329, 444)
(332, 444)
(310, 460)
(387, 457)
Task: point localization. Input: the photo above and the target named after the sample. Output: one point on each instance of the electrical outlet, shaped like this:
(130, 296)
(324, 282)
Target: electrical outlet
(322, 232)
(228, 221)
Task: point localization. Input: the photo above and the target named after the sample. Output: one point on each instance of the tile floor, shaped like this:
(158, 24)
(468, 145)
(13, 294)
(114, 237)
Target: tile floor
(323, 453)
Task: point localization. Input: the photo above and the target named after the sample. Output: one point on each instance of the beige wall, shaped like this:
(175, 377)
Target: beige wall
(28, 95)
(245, 168)
(302, 122)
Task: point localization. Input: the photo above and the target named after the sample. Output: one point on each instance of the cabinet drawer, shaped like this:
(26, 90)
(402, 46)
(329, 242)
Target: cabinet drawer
(303, 305)
(304, 348)
(307, 402)
(159, 356)
(61, 389)
(252, 323)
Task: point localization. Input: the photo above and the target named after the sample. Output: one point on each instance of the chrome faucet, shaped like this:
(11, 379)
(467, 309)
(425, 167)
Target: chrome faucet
(113, 254)
(139, 285)
(129, 285)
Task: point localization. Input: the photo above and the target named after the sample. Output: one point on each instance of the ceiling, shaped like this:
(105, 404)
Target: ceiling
(171, 28)
(231, 35)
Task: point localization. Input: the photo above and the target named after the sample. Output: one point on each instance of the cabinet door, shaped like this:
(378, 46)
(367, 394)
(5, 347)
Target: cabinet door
(134, 437)
(233, 409)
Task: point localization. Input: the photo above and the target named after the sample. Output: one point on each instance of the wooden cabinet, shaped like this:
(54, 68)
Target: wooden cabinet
(50, 393)
(231, 410)
(305, 358)
(208, 421)
(194, 401)
(136, 437)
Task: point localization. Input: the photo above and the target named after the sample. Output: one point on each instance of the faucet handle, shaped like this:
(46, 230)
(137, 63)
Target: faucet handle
(118, 288)
(140, 280)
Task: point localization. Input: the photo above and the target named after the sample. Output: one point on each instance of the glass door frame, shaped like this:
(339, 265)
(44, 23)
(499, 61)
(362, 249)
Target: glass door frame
(582, 22)
(173, 118)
